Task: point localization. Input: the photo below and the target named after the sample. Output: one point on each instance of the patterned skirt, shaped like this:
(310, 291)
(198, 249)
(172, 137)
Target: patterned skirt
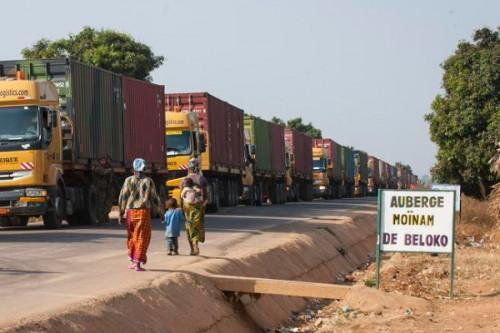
(195, 226)
(138, 234)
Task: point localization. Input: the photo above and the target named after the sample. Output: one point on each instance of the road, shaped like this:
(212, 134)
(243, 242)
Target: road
(44, 270)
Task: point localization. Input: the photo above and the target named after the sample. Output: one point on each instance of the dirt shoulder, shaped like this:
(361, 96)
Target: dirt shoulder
(414, 290)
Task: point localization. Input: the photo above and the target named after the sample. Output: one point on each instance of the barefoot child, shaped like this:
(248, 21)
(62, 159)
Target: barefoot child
(173, 220)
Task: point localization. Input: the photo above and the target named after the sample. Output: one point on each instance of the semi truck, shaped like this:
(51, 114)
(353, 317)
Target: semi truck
(264, 175)
(203, 126)
(360, 173)
(299, 166)
(327, 168)
(58, 117)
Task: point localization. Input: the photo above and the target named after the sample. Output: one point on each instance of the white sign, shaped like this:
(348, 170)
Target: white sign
(416, 221)
(447, 187)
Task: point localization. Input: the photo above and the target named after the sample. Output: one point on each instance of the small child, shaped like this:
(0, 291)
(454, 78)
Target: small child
(191, 194)
(173, 220)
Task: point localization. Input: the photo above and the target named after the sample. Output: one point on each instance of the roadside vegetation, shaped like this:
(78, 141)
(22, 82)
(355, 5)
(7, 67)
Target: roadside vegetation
(108, 49)
(465, 117)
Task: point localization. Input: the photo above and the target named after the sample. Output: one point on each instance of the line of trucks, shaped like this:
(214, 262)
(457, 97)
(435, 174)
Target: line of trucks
(60, 117)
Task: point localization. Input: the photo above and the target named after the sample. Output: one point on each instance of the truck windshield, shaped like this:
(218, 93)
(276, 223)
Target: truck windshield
(319, 165)
(19, 123)
(178, 143)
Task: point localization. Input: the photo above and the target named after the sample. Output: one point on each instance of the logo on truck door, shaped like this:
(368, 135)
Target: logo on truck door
(9, 160)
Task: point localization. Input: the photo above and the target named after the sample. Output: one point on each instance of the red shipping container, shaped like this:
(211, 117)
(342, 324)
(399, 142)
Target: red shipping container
(333, 155)
(144, 122)
(220, 121)
(278, 148)
(300, 145)
(373, 169)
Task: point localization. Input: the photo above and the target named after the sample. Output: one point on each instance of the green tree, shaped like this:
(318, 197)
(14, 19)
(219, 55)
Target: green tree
(465, 118)
(297, 124)
(278, 121)
(406, 167)
(108, 49)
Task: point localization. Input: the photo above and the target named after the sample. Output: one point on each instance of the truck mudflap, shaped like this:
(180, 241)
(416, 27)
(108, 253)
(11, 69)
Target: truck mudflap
(16, 203)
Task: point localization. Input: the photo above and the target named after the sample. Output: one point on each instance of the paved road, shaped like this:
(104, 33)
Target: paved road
(42, 270)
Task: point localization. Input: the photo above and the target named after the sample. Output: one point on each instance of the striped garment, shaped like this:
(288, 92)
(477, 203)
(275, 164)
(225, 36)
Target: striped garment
(138, 234)
(139, 193)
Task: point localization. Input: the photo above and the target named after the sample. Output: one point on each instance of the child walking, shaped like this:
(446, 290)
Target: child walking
(173, 220)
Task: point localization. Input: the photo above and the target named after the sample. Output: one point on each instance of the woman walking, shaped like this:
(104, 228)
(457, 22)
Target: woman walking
(193, 203)
(138, 201)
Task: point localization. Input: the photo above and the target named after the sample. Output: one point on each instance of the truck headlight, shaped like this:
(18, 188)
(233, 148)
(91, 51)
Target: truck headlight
(322, 188)
(36, 192)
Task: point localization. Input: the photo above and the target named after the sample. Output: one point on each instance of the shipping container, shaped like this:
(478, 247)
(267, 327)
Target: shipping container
(373, 169)
(361, 165)
(278, 148)
(222, 124)
(384, 173)
(347, 163)
(333, 155)
(93, 99)
(144, 119)
(300, 146)
(258, 135)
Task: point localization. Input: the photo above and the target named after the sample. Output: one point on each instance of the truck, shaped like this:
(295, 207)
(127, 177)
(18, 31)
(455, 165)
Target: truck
(374, 179)
(347, 188)
(360, 173)
(200, 125)
(58, 117)
(384, 174)
(264, 175)
(299, 166)
(327, 168)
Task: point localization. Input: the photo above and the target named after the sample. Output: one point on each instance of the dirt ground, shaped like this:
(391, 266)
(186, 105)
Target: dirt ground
(414, 289)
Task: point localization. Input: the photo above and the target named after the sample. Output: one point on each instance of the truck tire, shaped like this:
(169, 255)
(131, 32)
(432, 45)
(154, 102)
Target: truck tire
(258, 194)
(53, 218)
(88, 214)
(19, 221)
(4, 222)
(213, 206)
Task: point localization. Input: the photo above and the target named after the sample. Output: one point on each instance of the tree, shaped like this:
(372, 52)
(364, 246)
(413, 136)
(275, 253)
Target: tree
(406, 167)
(278, 121)
(297, 124)
(115, 51)
(465, 118)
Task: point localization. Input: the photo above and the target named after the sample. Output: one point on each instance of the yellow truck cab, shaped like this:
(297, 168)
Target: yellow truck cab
(183, 141)
(30, 151)
(321, 181)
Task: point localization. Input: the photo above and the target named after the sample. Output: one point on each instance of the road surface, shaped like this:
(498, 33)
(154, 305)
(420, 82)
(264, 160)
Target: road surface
(44, 270)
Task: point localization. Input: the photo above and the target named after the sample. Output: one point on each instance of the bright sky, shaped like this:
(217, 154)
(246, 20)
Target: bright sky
(365, 72)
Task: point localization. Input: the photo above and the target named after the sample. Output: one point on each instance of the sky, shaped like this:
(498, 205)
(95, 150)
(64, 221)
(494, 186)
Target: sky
(364, 72)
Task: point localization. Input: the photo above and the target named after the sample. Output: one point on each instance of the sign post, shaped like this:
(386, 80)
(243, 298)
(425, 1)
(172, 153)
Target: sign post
(416, 221)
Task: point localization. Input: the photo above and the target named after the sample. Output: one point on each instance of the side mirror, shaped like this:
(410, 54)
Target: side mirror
(202, 143)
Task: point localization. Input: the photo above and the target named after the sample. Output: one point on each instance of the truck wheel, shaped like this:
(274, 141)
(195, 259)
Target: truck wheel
(213, 206)
(4, 222)
(19, 221)
(258, 194)
(88, 214)
(54, 216)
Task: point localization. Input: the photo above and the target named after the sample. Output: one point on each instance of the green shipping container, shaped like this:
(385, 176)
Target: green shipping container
(361, 165)
(258, 134)
(347, 163)
(90, 96)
